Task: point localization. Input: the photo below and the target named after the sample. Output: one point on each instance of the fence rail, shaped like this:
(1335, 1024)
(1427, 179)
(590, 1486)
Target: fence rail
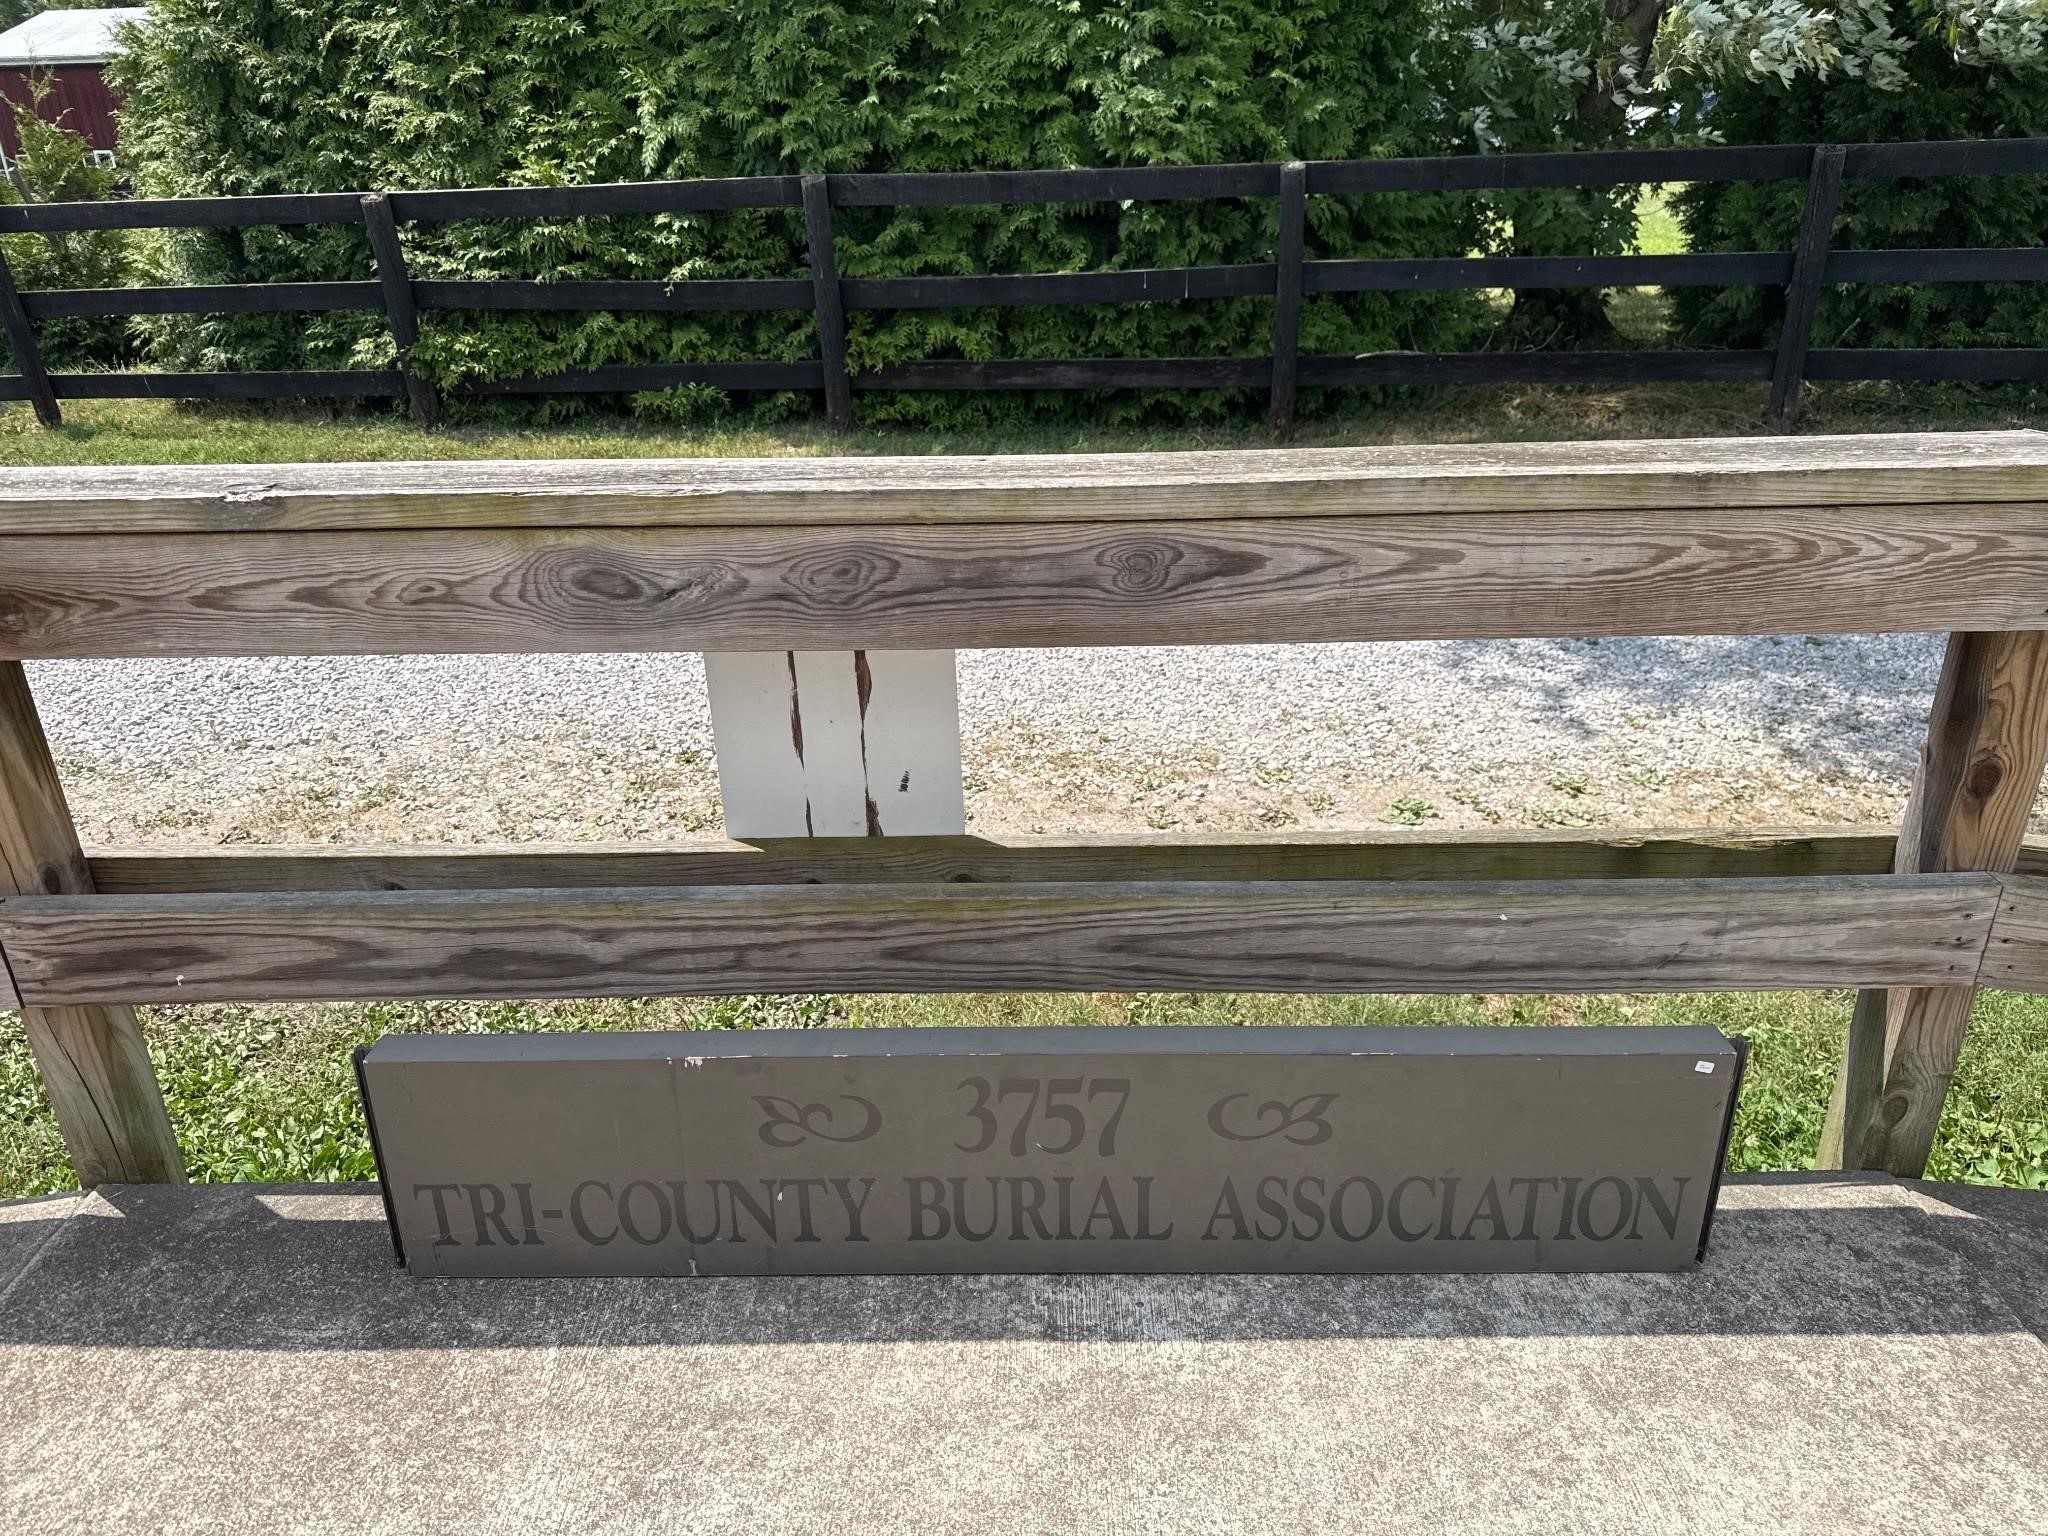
(1812, 265)
(1825, 536)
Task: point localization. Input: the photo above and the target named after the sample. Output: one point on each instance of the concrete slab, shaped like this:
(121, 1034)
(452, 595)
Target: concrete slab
(2005, 1231)
(246, 1359)
(25, 1225)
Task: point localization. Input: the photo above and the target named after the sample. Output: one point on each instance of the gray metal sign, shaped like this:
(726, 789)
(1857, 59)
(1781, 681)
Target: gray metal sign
(1099, 1150)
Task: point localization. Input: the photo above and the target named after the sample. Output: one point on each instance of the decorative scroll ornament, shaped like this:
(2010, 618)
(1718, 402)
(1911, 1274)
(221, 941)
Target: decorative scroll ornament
(1300, 1122)
(787, 1123)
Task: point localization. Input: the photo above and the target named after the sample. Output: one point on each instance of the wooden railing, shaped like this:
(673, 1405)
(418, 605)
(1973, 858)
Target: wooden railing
(1816, 536)
(1293, 274)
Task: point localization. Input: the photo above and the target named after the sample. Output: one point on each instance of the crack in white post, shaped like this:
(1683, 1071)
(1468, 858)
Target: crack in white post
(837, 743)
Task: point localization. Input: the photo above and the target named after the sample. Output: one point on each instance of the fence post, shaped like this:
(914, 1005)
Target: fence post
(21, 339)
(1980, 769)
(1802, 294)
(1287, 261)
(826, 298)
(94, 1063)
(1859, 1083)
(837, 743)
(398, 305)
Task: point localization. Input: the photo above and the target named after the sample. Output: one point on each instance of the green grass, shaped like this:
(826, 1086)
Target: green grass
(1657, 231)
(166, 432)
(1642, 316)
(268, 1093)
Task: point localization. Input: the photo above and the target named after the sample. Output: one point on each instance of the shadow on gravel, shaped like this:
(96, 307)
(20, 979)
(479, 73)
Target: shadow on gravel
(1851, 704)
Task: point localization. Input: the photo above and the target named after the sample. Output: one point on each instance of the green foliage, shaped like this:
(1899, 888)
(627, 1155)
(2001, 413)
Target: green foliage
(1520, 76)
(297, 95)
(269, 1093)
(1657, 232)
(1409, 811)
(32, 1156)
(1784, 1098)
(1854, 72)
(1994, 1125)
(52, 168)
(248, 1106)
(1544, 75)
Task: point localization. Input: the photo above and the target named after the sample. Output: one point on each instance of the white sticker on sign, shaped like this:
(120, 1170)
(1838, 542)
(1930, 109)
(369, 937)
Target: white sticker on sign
(1703, 1066)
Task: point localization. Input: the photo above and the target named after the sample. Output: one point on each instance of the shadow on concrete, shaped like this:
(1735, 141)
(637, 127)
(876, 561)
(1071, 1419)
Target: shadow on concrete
(25, 1226)
(309, 1267)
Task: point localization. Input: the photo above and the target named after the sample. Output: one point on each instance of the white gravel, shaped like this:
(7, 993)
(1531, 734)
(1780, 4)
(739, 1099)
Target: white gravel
(1614, 732)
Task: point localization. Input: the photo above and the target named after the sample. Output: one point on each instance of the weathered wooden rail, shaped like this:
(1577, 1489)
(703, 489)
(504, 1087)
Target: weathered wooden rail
(388, 284)
(1816, 536)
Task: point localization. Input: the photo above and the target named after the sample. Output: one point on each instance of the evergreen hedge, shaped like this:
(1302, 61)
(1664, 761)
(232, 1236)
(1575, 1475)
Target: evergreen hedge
(1941, 97)
(255, 96)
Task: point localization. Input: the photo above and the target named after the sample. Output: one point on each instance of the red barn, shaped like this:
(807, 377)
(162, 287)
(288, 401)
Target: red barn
(70, 49)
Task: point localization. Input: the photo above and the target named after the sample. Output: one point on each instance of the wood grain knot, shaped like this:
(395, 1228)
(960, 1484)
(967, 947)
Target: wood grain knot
(614, 585)
(422, 590)
(842, 577)
(619, 584)
(1139, 566)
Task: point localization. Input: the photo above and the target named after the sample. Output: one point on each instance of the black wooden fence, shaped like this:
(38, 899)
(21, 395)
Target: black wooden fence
(1802, 272)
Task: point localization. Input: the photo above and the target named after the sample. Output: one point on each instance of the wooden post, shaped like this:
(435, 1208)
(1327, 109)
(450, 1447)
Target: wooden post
(830, 305)
(398, 304)
(21, 340)
(1980, 769)
(1802, 294)
(93, 1061)
(1287, 256)
(837, 743)
(1858, 1085)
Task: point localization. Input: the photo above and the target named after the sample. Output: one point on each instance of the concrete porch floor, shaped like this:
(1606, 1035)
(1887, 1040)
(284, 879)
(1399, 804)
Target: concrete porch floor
(1857, 1354)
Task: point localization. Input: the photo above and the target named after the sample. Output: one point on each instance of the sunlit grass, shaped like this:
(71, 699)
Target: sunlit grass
(1657, 231)
(165, 432)
(269, 1094)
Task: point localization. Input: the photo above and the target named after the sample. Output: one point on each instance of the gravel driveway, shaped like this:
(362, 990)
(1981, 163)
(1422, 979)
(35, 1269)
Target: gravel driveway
(1632, 732)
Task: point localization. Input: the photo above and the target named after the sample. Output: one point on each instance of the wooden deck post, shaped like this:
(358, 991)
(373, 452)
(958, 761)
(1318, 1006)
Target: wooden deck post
(1980, 769)
(93, 1061)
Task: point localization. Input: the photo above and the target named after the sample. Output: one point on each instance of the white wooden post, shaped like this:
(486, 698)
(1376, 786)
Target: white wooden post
(837, 743)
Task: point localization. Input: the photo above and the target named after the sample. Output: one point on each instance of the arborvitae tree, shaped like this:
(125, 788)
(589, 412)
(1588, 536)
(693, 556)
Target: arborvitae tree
(234, 96)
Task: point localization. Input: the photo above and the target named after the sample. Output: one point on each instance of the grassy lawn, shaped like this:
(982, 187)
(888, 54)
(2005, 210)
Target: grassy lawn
(267, 1093)
(1643, 315)
(1657, 231)
(165, 432)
